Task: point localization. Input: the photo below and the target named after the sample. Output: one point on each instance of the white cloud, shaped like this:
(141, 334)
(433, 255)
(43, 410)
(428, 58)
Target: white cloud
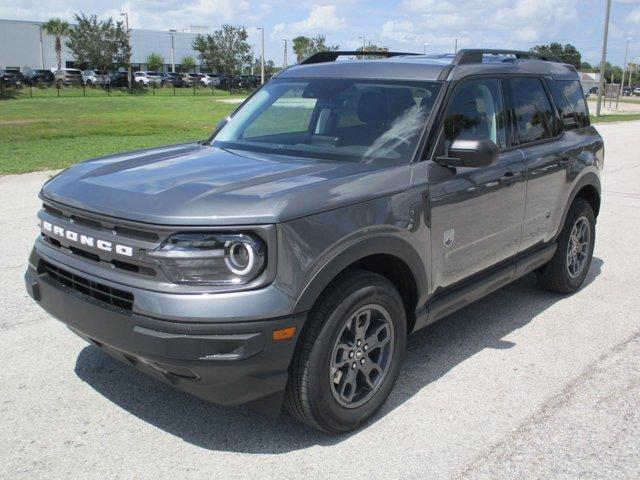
(322, 18)
(634, 16)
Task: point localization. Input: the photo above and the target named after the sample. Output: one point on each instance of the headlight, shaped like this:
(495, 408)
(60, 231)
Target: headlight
(210, 258)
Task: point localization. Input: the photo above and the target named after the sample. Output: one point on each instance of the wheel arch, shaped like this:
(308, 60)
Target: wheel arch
(391, 257)
(588, 188)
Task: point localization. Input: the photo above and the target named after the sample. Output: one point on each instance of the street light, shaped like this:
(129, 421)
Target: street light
(252, 58)
(262, 57)
(126, 23)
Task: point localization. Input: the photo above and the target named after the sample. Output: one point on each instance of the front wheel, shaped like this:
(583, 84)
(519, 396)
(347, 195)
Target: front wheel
(350, 354)
(568, 268)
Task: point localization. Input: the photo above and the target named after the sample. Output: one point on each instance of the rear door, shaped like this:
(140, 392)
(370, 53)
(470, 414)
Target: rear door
(476, 213)
(537, 135)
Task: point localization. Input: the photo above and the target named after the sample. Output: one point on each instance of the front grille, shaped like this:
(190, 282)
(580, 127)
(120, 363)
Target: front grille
(104, 293)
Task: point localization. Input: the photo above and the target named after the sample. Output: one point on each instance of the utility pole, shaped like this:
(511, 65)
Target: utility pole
(41, 46)
(173, 51)
(624, 70)
(425, 48)
(455, 48)
(126, 24)
(603, 59)
(252, 57)
(284, 62)
(262, 57)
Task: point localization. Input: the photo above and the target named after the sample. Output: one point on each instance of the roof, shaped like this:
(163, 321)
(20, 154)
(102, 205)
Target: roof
(430, 67)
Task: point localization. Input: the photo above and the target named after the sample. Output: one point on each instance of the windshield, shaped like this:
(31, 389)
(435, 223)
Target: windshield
(335, 119)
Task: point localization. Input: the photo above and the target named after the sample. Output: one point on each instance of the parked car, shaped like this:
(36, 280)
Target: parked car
(146, 77)
(172, 79)
(10, 78)
(593, 91)
(287, 257)
(636, 92)
(117, 78)
(208, 79)
(68, 76)
(249, 81)
(18, 74)
(94, 77)
(190, 78)
(39, 77)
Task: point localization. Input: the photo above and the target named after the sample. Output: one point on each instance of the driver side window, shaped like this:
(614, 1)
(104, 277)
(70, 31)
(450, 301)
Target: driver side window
(476, 109)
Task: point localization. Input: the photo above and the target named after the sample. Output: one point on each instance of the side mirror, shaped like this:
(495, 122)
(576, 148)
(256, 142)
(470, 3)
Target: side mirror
(477, 151)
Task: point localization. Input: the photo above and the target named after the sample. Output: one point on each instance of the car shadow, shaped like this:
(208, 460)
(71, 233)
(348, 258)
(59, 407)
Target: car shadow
(431, 353)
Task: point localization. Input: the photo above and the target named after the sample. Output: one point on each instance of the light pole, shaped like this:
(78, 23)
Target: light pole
(173, 51)
(262, 57)
(284, 62)
(624, 70)
(455, 48)
(126, 24)
(425, 48)
(41, 45)
(603, 59)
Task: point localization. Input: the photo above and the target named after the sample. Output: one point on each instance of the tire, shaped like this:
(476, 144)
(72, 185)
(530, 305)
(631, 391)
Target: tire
(317, 389)
(560, 275)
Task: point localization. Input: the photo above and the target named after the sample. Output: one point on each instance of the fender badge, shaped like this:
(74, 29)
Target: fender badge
(449, 236)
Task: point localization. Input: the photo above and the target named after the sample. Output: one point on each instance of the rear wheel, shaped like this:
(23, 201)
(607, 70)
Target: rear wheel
(568, 268)
(349, 357)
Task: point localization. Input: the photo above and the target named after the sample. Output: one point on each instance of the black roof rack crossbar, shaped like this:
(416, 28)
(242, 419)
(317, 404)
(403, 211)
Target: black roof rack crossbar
(332, 56)
(474, 55)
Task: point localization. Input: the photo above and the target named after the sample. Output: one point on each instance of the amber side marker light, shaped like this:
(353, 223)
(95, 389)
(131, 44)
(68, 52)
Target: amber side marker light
(284, 333)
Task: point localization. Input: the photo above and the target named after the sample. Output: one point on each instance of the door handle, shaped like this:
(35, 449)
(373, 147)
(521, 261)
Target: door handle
(508, 178)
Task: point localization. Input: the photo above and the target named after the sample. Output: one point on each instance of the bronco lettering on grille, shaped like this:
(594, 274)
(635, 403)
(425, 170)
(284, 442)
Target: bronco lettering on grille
(92, 242)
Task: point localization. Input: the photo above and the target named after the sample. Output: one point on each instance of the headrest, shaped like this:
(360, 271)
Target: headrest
(372, 108)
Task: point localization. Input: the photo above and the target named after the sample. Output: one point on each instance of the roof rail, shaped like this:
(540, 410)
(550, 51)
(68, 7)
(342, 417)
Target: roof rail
(332, 56)
(474, 55)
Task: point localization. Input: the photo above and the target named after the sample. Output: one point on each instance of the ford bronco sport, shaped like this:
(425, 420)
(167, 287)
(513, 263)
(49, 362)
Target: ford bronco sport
(343, 206)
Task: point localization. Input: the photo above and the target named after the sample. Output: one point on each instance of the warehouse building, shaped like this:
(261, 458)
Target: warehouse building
(24, 45)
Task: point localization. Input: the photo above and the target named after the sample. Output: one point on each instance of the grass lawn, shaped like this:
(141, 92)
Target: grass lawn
(623, 117)
(50, 133)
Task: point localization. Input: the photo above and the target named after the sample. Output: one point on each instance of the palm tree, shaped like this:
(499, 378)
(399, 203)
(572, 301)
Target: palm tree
(57, 28)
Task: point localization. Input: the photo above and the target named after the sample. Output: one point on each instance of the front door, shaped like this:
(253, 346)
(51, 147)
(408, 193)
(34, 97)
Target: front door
(476, 213)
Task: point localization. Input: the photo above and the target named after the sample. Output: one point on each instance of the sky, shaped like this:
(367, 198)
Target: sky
(401, 25)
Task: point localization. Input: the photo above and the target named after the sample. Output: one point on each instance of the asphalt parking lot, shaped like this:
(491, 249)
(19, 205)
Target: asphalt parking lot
(523, 384)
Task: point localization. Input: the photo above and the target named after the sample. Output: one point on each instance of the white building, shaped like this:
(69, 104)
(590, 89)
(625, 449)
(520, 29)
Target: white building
(23, 45)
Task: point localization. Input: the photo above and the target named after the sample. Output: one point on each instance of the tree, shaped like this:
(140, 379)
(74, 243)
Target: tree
(305, 46)
(567, 53)
(226, 50)
(188, 63)
(155, 61)
(269, 66)
(57, 28)
(586, 66)
(100, 44)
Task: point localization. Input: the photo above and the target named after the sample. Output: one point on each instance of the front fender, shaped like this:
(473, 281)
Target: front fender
(374, 245)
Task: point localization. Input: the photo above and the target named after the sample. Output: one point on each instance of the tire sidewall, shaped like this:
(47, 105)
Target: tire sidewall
(581, 209)
(335, 415)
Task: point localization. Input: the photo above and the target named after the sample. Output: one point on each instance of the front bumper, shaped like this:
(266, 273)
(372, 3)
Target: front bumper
(228, 363)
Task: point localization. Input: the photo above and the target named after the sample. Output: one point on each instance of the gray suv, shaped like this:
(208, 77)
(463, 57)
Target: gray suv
(343, 206)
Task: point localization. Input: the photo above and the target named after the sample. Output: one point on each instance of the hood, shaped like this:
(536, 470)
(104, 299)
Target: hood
(203, 185)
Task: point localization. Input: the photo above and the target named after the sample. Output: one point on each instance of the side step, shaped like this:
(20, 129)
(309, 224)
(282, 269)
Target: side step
(461, 296)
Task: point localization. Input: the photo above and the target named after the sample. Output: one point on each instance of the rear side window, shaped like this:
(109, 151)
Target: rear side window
(569, 99)
(532, 111)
